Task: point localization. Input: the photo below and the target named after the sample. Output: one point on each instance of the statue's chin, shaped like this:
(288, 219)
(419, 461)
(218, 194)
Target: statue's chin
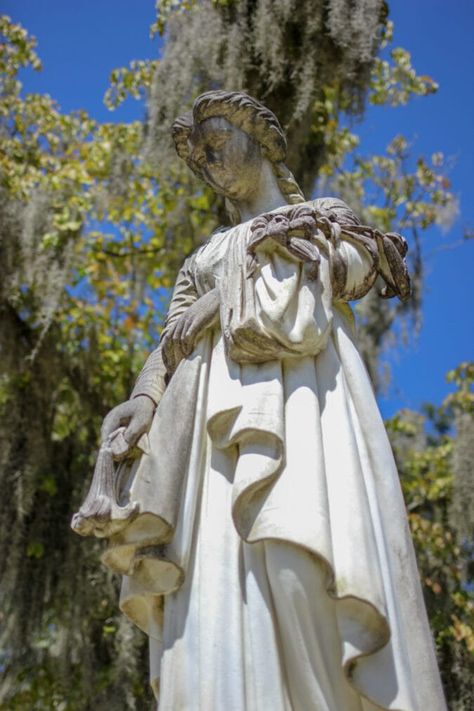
(224, 185)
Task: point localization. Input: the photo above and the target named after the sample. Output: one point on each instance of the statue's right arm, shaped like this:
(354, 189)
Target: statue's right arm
(136, 414)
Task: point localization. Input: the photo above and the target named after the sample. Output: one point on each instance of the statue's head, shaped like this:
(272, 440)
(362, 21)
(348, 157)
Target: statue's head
(226, 138)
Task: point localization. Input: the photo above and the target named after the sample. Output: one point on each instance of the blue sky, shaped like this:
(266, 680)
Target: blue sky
(81, 42)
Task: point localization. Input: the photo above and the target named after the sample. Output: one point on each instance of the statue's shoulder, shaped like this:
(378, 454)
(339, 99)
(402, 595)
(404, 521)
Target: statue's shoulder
(205, 243)
(202, 247)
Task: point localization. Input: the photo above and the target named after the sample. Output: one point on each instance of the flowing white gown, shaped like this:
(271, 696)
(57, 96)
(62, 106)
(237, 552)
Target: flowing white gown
(272, 522)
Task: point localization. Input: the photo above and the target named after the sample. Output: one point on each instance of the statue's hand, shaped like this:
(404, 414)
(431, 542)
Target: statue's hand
(136, 415)
(183, 333)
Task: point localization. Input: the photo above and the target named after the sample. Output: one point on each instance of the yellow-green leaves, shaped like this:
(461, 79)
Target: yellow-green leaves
(428, 452)
(395, 82)
(134, 81)
(462, 400)
(17, 48)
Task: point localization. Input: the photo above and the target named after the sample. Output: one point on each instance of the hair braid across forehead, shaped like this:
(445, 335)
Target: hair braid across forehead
(242, 111)
(250, 116)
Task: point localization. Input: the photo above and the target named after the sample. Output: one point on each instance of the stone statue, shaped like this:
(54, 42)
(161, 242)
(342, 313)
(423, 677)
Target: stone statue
(247, 489)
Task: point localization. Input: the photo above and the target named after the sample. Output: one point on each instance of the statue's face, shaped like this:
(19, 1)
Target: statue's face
(228, 159)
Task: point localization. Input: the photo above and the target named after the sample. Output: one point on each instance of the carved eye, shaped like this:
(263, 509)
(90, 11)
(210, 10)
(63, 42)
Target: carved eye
(211, 156)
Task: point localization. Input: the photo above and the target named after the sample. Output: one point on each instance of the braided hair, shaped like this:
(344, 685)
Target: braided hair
(252, 117)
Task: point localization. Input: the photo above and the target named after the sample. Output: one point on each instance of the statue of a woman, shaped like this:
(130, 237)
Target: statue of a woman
(261, 531)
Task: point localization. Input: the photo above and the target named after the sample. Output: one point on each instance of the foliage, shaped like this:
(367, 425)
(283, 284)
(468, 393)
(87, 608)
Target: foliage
(319, 67)
(393, 191)
(94, 222)
(425, 448)
(285, 53)
(395, 82)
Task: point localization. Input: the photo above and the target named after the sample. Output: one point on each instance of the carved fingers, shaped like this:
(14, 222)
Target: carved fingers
(117, 417)
(178, 341)
(135, 415)
(141, 420)
(180, 338)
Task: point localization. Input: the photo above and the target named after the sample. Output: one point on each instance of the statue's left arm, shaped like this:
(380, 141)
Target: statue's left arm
(362, 254)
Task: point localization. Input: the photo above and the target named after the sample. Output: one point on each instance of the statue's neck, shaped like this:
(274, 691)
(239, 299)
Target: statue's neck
(266, 197)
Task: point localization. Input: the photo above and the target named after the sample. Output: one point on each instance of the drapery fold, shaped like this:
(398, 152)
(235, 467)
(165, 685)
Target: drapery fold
(306, 456)
(275, 310)
(295, 484)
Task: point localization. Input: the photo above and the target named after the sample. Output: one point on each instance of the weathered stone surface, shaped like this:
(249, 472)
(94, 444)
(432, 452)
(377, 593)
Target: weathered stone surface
(265, 508)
